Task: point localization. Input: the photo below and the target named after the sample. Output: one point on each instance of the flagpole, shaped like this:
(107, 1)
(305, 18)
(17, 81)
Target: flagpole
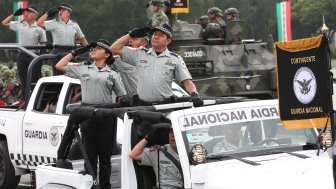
(324, 31)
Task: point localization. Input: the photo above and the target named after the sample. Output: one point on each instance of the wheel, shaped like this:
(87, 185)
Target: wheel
(8, 179)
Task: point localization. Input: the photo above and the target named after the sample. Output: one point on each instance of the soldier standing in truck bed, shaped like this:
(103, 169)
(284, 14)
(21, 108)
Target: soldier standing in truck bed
(30, 34)
(65, 32)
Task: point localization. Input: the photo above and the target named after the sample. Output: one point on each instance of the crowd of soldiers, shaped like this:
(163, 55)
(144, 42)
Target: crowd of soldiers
(213, 25)
(10, 84)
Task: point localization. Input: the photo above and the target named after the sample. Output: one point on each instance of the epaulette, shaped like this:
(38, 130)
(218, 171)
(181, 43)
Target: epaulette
(174, 54)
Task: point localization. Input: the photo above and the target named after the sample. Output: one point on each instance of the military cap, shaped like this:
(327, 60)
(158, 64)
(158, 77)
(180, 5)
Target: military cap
(165, 28)
(215, 10)
(103, 43)
(231, 11)
(157, 2)
(33, 9)
(147, 37)
(7, 73)
(65, 6)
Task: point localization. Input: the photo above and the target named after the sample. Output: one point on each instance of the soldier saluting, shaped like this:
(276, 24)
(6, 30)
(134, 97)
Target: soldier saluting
(156, 67)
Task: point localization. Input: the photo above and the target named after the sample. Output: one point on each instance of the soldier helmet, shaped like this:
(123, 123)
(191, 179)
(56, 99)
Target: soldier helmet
(157, 2)
(8, 73)
(231, 11)
(213, 30)
(216, 11)
(203, 20)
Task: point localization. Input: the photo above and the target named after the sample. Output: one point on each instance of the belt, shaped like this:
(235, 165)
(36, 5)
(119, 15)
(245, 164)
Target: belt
(64, 47)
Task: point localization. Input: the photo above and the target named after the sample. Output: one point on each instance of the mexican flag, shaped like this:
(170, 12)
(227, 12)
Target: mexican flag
(19, 4)
(284, 20)
(16, 5)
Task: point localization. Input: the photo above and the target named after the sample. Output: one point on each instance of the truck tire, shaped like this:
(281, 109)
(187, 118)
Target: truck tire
(8, 179)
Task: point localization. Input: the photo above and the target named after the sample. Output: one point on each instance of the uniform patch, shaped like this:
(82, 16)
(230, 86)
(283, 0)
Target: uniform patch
(169, 63)
(110, 78)
(128, 68)
(183, 65)
(165, 162)
(143, 61)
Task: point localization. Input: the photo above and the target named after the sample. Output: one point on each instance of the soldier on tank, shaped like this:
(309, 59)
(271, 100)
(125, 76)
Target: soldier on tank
(231, 14)
(215, 15)
(159, 17)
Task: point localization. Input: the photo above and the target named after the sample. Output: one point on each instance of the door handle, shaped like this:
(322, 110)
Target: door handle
(28, 121)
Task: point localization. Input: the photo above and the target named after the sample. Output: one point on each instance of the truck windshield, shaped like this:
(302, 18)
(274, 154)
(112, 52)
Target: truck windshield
(253, 136)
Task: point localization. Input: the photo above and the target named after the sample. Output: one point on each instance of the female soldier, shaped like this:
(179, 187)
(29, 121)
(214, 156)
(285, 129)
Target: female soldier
(97, 83)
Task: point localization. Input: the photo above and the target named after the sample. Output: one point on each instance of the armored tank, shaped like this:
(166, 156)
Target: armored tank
(236, 65)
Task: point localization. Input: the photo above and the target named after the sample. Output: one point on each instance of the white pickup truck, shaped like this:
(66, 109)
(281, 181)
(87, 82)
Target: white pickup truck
(31, 137)
(265, 155)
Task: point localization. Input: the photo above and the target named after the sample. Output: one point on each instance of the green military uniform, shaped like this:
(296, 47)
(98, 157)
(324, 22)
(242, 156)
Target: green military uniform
(97, 85)
(170, 177)
(158, 19)
(9, 86)
(155, 72)
(128, 75)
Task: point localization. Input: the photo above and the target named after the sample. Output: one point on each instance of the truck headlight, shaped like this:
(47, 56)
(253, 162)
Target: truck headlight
(198, 154)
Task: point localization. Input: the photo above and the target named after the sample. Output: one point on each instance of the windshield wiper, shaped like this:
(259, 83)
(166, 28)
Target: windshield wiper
(224, 156)
(283, 151)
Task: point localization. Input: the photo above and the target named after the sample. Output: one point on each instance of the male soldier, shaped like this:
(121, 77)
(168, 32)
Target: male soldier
(215, 15)
(8, 88)
(63, 30)
(168, 176)
(128, 72)
(159, 17)
(156, 67)
(231, 14)
(29, 35)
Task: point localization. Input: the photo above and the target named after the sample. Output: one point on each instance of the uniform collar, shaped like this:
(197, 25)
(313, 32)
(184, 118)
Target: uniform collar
(61, 21)
(164, 53)
(26, 23)
(105, 69)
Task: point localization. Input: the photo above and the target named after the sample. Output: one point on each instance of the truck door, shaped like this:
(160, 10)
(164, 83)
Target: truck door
(44, 124)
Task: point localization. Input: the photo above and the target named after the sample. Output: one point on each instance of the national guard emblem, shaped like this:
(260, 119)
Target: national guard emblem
(304, 85)
(53, 136)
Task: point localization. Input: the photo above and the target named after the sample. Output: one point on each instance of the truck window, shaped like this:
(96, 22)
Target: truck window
(48, 94)
(73, 98)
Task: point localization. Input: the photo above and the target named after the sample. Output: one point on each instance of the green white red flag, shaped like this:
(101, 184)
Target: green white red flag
(284, 20)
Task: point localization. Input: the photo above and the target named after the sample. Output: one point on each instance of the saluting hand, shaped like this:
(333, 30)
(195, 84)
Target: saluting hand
(19, 12)
(52, 12)
(81, 50)
(139, 32)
